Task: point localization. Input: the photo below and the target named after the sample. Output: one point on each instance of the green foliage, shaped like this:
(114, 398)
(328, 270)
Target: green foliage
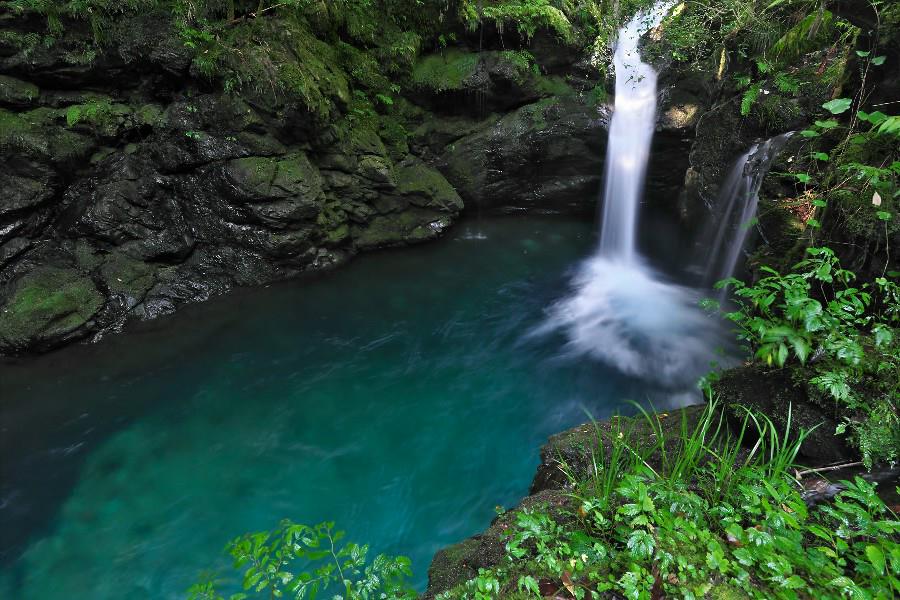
(840, 335)
(99, 13)
(730, 525)
(446, 71)
(96, 113)
(300, 561)
(527, 16)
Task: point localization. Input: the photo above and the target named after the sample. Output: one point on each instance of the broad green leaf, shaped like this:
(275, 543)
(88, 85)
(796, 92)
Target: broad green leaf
(820, 156)
(879, 60)
(838, 105)
(883, 215)
(876, 557)
(819, 203)
(876, 118)
(813, 223)
(809, 133)
(829, 124)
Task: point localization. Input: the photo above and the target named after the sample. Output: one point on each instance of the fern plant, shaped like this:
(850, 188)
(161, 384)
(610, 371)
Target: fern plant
(841, 335)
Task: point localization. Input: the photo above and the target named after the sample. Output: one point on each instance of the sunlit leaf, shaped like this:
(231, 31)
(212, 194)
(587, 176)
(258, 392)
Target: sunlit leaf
(838, 105)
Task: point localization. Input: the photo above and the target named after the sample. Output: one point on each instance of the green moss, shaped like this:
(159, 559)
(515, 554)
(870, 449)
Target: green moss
(453, 565)
(359, 137)
(102, 116)
(409, 226)
(277, 177)
(17, 92)
(126, 275)
(332, 217)
(395, 136)
(37, 134)
(536, 113)
(338, 235)
(427, 184)
(293, 62)
(47, 303)
(553, 86)
(149, 114)
(447, 71)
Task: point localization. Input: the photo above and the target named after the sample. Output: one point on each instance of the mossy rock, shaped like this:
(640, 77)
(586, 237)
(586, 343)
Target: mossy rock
(456, 564)
(411, 226)
(37, 134)
(427, 187)
(101, 117)
(46, 306)
(358, 138)
(568, 456)
(127, 276)
(261, 178)
(17, 93)
(776, 394)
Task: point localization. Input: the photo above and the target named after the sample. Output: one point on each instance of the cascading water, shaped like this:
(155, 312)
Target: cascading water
(630, 134)
(620, 311)
(736, 206)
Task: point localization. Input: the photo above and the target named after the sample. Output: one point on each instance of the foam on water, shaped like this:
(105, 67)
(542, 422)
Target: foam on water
(623, 314)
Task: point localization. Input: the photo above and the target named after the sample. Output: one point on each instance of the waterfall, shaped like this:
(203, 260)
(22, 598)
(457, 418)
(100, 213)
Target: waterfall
(630, 134)
(620, 311)
(736, 207)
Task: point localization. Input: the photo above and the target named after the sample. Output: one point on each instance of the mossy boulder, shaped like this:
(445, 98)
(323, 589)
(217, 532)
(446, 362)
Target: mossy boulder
(410, 226)
(487, 81)
(38, 136)
(546, 154)
(17, 93)
(425, 186)
(259, 178)
(101, 117)
(570, 454)
(46, 306)
(127, 277)
(450, 70)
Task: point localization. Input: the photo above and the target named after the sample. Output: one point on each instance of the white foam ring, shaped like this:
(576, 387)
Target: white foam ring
(623, 314)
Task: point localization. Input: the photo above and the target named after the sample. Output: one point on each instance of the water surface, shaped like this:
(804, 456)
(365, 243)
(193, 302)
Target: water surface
(400, 396)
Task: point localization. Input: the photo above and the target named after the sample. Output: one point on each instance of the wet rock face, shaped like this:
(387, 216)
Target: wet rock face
(127, 193)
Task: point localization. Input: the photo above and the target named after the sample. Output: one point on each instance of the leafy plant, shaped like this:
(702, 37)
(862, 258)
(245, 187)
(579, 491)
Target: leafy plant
(840, 335)
(668, 531)
(301, 561)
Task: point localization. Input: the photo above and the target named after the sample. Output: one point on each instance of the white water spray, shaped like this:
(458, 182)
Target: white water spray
(621, 312)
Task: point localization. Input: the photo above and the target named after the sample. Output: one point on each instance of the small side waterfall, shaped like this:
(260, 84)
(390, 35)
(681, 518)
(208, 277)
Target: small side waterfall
(736, 207)
(630, 134)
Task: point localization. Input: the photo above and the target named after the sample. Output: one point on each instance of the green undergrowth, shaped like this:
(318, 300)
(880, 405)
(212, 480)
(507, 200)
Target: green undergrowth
(716, 515)
(715, 518)
(837, 334)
